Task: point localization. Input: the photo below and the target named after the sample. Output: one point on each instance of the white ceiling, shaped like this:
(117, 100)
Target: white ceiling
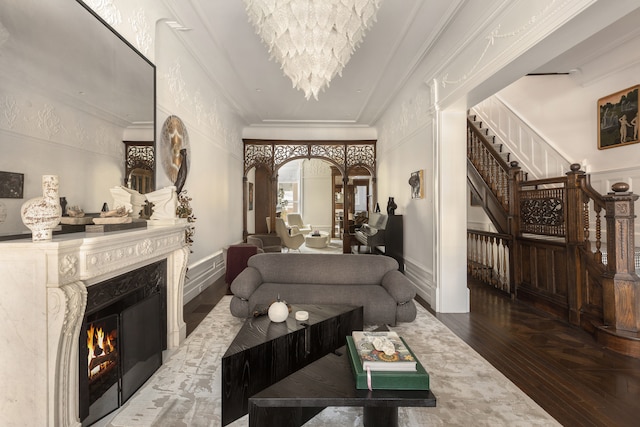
(401, 45)
(398, 44)
(221, 35)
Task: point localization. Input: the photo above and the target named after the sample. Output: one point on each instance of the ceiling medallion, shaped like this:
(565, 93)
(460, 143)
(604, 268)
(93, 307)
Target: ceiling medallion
(312, 39)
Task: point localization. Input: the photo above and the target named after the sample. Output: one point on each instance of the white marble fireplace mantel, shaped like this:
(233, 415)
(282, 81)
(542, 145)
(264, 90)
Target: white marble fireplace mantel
(43, 290)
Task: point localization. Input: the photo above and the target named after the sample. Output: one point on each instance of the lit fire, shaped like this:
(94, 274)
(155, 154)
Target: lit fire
(101, 350)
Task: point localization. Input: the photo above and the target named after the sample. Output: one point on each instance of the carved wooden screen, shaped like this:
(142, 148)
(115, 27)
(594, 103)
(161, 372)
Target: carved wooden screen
(344, 155)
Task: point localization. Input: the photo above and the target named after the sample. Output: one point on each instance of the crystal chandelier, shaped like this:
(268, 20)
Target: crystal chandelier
(312, 39)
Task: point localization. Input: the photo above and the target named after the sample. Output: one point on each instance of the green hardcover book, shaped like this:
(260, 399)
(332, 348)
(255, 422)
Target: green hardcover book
(387, 380)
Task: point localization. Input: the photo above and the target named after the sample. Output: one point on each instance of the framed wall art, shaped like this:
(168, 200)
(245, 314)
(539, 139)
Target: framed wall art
(11, 185)
(618, 119)
(250, 196)
(416, 181)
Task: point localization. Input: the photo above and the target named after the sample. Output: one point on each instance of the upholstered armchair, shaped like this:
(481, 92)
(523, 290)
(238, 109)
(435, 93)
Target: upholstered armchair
(297, 225)
(288, 241)
(266, 242)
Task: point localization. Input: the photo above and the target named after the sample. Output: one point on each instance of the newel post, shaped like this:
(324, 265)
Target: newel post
(575, 239)
(515, 179)
(621, 284)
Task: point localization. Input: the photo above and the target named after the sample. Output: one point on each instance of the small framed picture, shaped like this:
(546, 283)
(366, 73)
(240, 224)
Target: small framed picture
(11, 185)
(416, 181)
(618, 119)
(250, 196)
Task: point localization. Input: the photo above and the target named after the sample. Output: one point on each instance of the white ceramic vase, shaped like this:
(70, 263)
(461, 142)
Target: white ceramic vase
(42, 214)
(278, 312)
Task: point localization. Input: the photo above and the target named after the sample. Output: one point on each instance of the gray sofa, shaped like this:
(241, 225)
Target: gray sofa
(372, 281)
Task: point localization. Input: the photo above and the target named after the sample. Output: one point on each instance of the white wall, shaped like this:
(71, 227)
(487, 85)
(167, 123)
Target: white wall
(317, 192)
(405, 145)
(564, 111)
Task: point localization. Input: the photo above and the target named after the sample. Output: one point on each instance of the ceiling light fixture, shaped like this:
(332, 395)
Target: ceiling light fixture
(312, 39)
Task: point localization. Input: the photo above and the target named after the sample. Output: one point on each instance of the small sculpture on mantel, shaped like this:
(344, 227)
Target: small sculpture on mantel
(130, 199)
(75, 212)
(165, 203)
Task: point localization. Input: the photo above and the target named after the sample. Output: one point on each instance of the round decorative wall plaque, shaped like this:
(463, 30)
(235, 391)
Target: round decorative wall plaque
(173, 139)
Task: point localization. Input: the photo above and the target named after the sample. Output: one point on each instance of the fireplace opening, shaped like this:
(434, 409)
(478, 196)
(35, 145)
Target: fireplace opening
(121, 339)
(103, 358)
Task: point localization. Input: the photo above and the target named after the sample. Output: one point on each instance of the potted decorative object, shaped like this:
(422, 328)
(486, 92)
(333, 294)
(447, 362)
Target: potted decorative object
(184, 210)
(42, 214)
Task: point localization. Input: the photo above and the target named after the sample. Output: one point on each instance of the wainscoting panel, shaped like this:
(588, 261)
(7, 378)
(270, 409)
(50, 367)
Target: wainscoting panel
(423, 281)
(202, 274)
(525, 144)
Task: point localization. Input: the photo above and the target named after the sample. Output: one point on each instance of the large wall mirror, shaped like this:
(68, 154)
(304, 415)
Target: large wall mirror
(71, 91)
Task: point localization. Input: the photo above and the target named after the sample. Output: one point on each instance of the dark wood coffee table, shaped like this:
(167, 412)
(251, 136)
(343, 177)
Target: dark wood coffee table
(329, 382)
(264, 352)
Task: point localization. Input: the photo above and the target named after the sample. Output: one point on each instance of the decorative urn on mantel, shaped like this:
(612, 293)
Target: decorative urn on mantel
(42, 214)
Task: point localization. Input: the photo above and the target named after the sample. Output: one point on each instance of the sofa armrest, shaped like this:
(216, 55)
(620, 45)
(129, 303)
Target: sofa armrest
(256, 241)
(398, 286)
(246, 283)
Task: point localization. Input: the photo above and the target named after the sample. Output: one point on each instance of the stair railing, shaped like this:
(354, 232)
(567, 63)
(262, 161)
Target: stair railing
(561, 219)
(487, 160)
(488, 258)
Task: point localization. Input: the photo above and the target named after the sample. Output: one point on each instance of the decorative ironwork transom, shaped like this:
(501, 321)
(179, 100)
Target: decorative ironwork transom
(344, 155)
(138, 156)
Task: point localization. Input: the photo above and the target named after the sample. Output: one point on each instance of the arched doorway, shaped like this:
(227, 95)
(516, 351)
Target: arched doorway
(347, 157)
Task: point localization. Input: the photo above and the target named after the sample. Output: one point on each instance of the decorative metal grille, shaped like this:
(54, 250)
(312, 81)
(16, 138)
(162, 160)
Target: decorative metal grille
(344, 155)
(333, 152)
(542, 212)
(257, 154)
(282, 153)
(140, 156)
(361, 155)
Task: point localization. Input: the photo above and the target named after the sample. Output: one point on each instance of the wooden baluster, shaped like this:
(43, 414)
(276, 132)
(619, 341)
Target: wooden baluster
(491, 264)
(505, 266)
(598, 255)
(484, 258)
(475, 256)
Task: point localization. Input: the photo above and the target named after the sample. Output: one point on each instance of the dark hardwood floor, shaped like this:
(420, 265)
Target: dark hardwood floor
(197, 309)
(557, 365)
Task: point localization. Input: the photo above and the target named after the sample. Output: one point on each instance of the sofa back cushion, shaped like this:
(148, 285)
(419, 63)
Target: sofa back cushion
(322, 268)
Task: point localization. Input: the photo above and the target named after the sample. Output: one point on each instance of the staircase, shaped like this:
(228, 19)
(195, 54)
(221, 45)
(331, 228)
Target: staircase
(490, 174)
(549, 250)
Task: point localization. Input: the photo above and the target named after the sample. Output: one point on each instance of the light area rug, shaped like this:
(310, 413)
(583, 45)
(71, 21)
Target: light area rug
(185, 391)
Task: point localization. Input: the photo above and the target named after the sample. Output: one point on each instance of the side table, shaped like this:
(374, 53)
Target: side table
(317, 242)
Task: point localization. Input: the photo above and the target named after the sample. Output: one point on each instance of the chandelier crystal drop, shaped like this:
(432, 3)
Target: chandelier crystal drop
(312, 39)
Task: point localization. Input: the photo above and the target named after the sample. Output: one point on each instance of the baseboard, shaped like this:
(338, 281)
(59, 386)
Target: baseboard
(202, 274)
(422, 280)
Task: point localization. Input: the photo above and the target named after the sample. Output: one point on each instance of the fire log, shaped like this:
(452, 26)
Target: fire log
(99, 360)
